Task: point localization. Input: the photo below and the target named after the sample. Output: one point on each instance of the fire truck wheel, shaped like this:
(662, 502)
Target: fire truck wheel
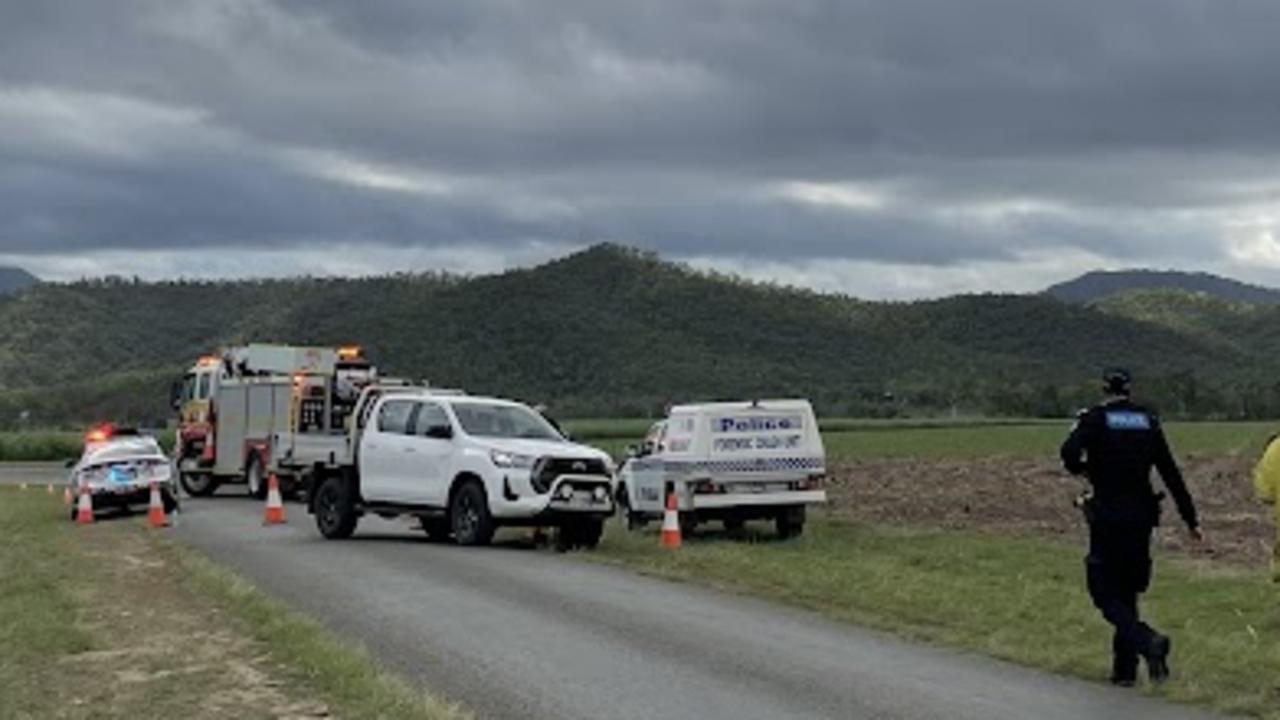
(256, 478)
(198, 484)
(335, 509)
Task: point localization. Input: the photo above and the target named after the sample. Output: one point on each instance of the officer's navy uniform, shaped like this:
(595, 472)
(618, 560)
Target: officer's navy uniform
(1116, 445)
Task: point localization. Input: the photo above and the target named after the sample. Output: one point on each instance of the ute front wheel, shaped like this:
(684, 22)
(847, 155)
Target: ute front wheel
(469, 515)
(335, 509)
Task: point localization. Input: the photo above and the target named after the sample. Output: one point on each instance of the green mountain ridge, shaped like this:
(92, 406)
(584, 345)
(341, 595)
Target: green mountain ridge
(614, 331)
(14, 280)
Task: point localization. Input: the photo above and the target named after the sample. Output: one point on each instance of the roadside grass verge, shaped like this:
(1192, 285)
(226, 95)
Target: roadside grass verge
(116, 620)
(1018, 599)
(346, 676)
(38, 569)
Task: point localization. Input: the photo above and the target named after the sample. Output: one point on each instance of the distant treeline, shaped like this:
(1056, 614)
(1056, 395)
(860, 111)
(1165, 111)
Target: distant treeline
(612, 332)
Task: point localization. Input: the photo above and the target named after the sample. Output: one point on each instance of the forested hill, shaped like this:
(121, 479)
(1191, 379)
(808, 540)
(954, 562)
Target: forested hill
(13, 279)
(1097, 286)
(612, 331)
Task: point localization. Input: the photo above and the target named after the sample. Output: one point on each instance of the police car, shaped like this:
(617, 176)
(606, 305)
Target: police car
(118, 466)
(729, 462)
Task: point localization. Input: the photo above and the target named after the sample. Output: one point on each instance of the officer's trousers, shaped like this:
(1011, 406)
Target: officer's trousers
(1118, 571)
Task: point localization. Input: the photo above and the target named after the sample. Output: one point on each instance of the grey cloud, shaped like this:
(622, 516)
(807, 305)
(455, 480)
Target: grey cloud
(1131, 126)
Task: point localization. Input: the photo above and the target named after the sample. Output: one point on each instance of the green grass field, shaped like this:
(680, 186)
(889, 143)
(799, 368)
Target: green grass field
(1022, 440)
(851, 440)
(1013, 598)
(846, 439)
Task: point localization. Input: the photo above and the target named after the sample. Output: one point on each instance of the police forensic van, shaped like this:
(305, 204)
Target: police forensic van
(729, 462)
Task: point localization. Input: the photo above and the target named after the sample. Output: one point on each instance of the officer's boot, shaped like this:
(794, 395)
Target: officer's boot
(1124, 663)
(1158, 658)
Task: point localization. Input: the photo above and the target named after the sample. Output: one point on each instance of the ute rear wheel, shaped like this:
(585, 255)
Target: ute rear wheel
(335, 509)
(469, 515)
(199, 484)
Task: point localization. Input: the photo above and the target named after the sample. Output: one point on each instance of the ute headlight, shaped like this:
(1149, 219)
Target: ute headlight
(504, 459)
(565, 492)
(600, 493)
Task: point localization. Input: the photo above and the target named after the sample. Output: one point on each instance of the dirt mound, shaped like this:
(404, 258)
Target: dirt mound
(1018, 495)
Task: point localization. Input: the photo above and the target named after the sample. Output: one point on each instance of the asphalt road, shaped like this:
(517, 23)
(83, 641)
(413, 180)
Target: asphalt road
(516, 632)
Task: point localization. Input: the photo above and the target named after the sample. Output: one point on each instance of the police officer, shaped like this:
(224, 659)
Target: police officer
(1115, 445)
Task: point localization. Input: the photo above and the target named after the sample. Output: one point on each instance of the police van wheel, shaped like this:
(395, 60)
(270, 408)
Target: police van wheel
(256, 479)
(790, 523)
(198, 484)
(335, 509)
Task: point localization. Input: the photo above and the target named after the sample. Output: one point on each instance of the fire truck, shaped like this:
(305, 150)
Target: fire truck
(250, 411)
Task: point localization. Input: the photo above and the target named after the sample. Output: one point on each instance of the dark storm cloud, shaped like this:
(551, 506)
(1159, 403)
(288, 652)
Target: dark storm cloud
(895, 131)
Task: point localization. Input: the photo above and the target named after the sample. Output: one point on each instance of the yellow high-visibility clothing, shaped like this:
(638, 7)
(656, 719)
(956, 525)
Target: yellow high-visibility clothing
(1266, 480)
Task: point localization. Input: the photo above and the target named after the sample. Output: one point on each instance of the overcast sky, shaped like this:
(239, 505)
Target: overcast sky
(889, 148)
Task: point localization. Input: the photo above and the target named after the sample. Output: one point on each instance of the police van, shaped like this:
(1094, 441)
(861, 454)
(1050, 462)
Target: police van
(729, 462)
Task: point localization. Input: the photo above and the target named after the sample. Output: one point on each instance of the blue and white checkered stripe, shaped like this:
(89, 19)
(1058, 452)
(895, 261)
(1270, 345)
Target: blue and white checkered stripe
(753, 465)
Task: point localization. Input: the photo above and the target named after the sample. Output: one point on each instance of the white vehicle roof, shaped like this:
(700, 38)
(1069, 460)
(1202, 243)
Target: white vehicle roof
(775, 404)
(120, 449)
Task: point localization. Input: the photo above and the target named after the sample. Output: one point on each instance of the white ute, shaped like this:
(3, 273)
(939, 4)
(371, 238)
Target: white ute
(465, 466)
(730, 462)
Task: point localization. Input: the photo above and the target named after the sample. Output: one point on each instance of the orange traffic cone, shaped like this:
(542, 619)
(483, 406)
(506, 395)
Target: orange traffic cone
(275, 506)
(671, 524)
(84, 513)
(155, 512)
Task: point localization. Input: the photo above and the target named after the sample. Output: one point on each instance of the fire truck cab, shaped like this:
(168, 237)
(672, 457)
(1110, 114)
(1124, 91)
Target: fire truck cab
(253, 410)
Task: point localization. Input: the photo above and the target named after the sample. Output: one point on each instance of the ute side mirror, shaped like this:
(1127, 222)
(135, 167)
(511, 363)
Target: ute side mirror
(439, 432)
